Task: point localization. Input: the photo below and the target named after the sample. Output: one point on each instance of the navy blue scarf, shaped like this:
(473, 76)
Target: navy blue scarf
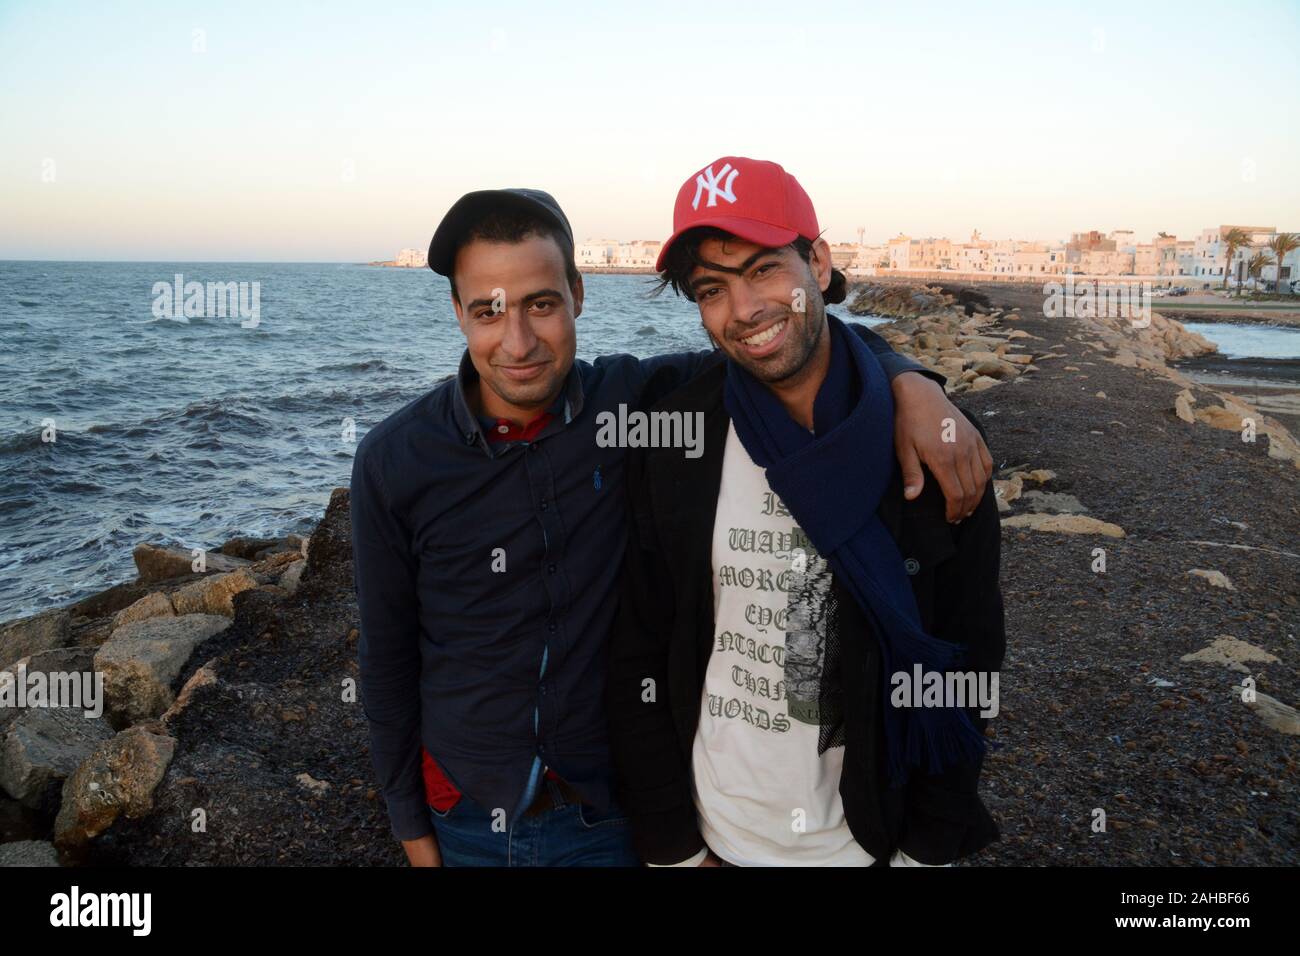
(832, 483)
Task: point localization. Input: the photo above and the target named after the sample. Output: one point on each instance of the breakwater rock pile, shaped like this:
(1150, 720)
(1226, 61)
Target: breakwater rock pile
(230, 729)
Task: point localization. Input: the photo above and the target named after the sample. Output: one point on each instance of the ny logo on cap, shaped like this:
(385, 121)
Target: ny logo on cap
(706, 180)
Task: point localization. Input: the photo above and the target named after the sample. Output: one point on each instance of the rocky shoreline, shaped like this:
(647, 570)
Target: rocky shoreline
(1149, 568)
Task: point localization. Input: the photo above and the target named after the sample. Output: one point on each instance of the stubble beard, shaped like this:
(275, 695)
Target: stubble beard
(801, 343)
(529, 394)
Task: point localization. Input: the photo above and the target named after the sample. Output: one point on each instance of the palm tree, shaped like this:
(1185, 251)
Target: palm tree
(1234, 239)
(1257, 264)
(1282, 244)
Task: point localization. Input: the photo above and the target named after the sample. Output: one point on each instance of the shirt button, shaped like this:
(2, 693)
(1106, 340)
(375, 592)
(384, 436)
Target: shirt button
(504, 429)
(551, 627)
(543, 504)
(912, 565)
(550, 569)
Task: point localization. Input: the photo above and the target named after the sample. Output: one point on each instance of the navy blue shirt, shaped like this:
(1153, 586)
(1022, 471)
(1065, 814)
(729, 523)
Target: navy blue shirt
(486, 583)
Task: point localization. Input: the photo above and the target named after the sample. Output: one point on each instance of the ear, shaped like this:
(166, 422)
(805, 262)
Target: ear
(820, 262)
(579, 292)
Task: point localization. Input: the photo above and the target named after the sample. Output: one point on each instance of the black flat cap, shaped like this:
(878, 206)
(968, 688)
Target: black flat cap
(471, 207)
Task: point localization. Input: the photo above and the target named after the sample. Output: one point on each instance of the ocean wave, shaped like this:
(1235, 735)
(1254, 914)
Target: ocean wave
(206, 415)
(222, 411)
(317, 399)
(23, 441)
(76, 487)
(368, 365)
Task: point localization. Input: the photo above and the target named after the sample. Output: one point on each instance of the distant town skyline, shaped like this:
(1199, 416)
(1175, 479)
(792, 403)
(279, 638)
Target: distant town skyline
(245, 132)
(1121, 252)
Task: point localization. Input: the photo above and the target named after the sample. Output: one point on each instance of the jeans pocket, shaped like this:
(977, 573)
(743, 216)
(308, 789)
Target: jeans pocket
(591, 818)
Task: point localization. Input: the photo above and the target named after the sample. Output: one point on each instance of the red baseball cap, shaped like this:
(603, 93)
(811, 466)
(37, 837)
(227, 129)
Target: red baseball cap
(750, 198)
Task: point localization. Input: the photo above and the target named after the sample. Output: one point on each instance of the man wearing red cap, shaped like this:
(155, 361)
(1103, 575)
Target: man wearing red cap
(761, 715)
(487, 523)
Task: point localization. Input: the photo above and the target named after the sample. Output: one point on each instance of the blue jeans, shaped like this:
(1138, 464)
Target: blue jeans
(570, 834)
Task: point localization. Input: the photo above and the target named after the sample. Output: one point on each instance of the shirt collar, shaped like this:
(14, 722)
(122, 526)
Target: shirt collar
(567, 405)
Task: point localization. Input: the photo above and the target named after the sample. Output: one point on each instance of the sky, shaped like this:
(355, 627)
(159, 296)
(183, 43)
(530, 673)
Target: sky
(297, 131)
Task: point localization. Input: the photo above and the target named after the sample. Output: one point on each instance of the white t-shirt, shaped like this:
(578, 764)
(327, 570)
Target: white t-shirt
(763, 794)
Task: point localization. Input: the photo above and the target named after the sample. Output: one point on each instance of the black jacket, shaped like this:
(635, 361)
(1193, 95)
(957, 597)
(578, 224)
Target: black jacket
(664, 632)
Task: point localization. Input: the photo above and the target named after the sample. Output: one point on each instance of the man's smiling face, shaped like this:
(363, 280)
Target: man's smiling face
(762, 306)
(524, 351)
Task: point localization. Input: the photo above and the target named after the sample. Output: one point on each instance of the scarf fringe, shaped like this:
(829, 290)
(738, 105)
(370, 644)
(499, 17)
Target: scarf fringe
(934, 743)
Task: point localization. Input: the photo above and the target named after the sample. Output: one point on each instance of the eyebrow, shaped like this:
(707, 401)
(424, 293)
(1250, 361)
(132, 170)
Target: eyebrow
(531, 297)
(737, 270)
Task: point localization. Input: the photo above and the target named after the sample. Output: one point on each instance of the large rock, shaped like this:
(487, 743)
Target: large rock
(1006, 492)
(996, 368)
(156, 604)
(1215, 578)
(157, 563)
(141, 661)
(30, 635)
(118, 778)
(292, 576)
(109, 601)
(950, 367)
(29, 853)
(268, 569)
(1039, 475)
(66, 659)
(1282, 446)
(247, 548)
(1064, 524)
(41, 747)
(205, 675)
(1281, 717)
(213, 594)
(329, 558)
(1231, 652)
(1224, 418)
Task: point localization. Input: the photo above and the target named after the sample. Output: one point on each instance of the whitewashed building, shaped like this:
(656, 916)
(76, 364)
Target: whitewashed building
(1211, 251)
(595, 252)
